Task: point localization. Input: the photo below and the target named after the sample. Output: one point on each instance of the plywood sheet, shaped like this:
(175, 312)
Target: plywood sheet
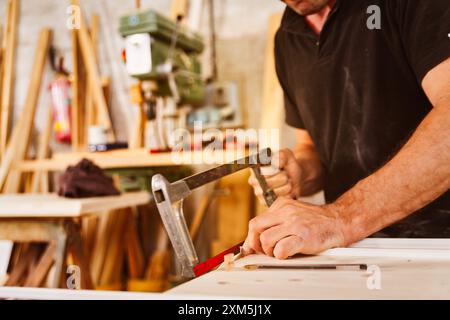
(406, 272)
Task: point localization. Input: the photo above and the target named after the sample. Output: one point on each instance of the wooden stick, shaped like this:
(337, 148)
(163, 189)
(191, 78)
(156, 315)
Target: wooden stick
(179, 8)
(272, 115)
(100, 246)
(38, 274)
(2, 62)
(88, 54)
(43, 153)
(113, 264)
(4, 45)
(91, 115)
(200, 213)
(158, 267)
(23, 265)
(135, 255)
(20, 138)
(75, 106)
(8, 79)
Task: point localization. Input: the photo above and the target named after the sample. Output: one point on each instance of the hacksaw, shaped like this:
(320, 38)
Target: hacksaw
(169, 201)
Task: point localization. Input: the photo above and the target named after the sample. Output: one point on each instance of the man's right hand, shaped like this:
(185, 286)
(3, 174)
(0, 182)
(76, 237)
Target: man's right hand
(287, 179)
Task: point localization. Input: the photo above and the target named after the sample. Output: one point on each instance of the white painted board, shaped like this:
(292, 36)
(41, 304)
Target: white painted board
(406, 269)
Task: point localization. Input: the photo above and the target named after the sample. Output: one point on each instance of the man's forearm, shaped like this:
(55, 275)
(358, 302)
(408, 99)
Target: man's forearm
(415, 177)
(312, 170)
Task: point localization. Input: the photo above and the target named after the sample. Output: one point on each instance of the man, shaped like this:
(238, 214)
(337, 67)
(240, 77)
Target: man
(367, 87)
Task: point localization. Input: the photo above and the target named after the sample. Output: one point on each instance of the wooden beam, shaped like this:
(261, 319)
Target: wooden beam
(179, 8)
(20, 138)
(51, 206)
(91, 114)
(76, 85)
(272, 113)
(195, 14)
(134, 252)
(88, 54)
(37, 276)
(20, 270)
(2, 62)
(8, 76)
(37, 182)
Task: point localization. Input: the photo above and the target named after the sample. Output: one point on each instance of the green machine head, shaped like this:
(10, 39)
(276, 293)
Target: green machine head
(161, 50)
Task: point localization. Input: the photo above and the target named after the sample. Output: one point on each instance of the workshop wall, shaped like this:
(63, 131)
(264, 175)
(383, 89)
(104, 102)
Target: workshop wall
(241, 34)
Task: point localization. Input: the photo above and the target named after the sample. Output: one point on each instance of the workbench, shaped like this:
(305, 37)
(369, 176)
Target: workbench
(397, 269)
(409, 269)
(55, 220)
(128, 158)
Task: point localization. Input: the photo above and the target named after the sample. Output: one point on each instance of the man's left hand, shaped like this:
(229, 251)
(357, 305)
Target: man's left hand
(290, 227)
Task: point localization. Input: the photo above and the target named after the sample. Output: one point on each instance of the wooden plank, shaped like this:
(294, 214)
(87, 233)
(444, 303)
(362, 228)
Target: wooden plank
(132, 159)
(48, 206)
(37, 184)
(272, 104)
(158, 268)
(89, 229)
(179, 8)
(135, 255)
(427, 244)
(76, 86)
(80, 258)
(20, 138)
(101, 246)
(88, 54)
(37, 275)
(114, 261)
(137, 4)
(91, 114)
(21, 270)
(195, 14)
(2, 63)
(420, 275)
(8, 76)
(233, 211)
(200, 213)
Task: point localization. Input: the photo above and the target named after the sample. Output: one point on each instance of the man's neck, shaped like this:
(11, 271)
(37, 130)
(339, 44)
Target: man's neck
(317, 21)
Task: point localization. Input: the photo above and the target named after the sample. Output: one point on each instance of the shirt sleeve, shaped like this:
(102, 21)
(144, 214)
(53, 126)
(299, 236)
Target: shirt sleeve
(425, 32)
(292, 113)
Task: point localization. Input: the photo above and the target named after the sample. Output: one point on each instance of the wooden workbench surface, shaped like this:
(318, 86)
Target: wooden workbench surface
(409, 269)
(132, 159)
(52, 206)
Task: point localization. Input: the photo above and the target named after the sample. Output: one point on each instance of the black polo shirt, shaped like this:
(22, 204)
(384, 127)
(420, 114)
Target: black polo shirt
(357, 91)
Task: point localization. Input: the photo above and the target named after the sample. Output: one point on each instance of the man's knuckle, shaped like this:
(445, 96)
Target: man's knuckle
(265, 239)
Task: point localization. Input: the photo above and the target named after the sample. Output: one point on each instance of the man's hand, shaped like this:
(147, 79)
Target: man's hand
(286, 180)
(290, 227)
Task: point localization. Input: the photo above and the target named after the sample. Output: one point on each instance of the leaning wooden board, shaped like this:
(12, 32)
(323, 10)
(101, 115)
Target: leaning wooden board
(52, 206)
(409, 269)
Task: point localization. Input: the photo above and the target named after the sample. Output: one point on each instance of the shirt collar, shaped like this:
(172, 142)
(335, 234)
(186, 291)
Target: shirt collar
(292, 22)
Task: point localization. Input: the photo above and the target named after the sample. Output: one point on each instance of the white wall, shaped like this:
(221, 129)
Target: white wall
(241, 28)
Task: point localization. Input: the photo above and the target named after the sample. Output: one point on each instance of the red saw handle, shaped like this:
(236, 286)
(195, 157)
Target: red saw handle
(214, 262)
